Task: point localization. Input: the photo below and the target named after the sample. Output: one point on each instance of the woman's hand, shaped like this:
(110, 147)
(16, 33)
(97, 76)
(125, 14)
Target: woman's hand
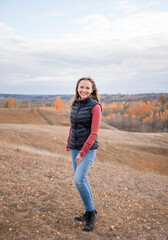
(67, 148)
(78, 159)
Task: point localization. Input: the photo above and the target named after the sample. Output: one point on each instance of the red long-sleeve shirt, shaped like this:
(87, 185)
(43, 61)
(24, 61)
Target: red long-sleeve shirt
(96, 119)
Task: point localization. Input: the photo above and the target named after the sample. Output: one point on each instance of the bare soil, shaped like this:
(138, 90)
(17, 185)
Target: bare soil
(38, 198)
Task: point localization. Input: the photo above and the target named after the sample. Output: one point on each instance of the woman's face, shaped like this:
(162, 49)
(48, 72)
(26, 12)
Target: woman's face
(84, 89)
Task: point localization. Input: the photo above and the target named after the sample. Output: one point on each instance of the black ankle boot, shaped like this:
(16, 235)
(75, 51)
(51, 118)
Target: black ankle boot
(90, 222)
(82, 218)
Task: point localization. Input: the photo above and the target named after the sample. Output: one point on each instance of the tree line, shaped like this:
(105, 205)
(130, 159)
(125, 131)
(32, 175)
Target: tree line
(149, 116)
(137, 116)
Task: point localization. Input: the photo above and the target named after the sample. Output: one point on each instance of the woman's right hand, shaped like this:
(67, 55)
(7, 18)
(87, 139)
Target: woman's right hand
(67, 148)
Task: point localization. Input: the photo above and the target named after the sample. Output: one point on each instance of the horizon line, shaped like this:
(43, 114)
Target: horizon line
(57, 94)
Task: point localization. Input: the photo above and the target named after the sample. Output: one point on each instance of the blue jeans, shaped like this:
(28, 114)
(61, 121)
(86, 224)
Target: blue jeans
(80, 177)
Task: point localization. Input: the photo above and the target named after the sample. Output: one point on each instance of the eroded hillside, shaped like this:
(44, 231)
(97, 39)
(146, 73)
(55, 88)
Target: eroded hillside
(38, 197)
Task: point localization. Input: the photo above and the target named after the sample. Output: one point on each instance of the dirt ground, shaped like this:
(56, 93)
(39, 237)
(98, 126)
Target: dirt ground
(38, 198)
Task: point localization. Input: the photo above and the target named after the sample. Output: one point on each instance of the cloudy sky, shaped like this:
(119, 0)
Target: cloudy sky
(47, 45)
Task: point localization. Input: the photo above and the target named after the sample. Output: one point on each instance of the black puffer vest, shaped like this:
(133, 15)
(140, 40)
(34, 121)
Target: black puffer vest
(81, 120)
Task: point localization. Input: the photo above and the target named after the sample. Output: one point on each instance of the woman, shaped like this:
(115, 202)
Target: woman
(82, 142)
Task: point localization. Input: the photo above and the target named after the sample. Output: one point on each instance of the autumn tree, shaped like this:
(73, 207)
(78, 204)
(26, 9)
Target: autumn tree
(10, 102)
(59, 103)
(148, 116)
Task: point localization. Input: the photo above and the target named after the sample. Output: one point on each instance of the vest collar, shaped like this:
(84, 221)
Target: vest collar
(84, 100)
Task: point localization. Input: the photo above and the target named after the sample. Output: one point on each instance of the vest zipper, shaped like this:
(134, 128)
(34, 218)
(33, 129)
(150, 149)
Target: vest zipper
(76, 124)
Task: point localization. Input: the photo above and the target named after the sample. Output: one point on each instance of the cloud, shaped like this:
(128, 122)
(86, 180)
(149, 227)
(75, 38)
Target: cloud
(125, 6)
(125, 52)
(123, 29)
(5, 29)
(152, 4)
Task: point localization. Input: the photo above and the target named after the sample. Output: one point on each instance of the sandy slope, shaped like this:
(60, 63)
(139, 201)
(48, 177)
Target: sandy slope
(38, 199)
(139, 150)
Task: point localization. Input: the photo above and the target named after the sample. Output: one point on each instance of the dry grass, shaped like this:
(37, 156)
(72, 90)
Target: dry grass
(38, 199)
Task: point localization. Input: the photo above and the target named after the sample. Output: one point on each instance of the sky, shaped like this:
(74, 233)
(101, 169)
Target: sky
(47, 45)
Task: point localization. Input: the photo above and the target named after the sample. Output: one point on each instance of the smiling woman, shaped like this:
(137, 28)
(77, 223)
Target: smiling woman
(82, 141)
(84, 89)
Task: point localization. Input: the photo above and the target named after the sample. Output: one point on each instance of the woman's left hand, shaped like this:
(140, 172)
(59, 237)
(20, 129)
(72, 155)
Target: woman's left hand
(78, 159)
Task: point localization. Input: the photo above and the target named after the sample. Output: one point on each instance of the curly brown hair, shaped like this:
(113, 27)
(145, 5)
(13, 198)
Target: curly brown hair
(94, 94)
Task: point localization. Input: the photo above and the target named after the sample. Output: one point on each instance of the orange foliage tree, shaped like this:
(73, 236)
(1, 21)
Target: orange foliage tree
(150, 116)
(59, 104)
(10, 102)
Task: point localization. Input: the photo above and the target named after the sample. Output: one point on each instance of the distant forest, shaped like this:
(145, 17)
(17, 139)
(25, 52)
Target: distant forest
(104, 98)
(136, 112)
